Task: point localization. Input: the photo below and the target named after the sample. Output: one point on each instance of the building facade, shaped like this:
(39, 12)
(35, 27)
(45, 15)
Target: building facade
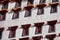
(30, 20)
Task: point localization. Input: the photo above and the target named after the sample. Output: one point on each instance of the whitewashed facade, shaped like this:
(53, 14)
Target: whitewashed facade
(31, 22)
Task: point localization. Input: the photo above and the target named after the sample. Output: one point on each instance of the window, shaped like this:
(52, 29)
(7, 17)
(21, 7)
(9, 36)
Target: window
(24, 38)
(38, 28)
(5, 4)
(18, 2)
(53, 9)
(27, 13)
(15, 15)
(59, 35)
(40, 11)
(25, 30)
(1, 30)
(52, 28)
(0, 34)
(2, 17)
(42, 1)
(37, 38)
(31, 1)
(17, 5)
(12, 31)
(51, 37)
(28, 10)
(12, 34)
(13, 39)
(55, 0)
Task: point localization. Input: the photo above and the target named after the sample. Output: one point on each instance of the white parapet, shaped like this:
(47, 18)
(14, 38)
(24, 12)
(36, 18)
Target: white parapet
(58, 12)
(1, 6)
(45, 29)
(19, 33)
(24, 4)
(5, 35)
(57, 28)
(11, 5)
(36, 2)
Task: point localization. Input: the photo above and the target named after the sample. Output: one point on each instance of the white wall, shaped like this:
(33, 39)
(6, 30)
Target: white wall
(47, 16)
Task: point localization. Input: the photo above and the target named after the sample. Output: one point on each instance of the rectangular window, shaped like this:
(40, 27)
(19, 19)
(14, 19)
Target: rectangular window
(38, 30)
(18, 2)
(1, 31)
(15, 15)
(12, 31)
(13, 39)
(42, 1)
(31, 1)
(52, 28)
(17, 5)
(2, 17)
(12, 34)
(50, 37)
(25, 32)
(0, 34)
(52, 25)
(27, 13)
(40, 11)
(24, 38)
(37, 38)
(5, 4)
(53, 9)
(25, 29)
(55, 0)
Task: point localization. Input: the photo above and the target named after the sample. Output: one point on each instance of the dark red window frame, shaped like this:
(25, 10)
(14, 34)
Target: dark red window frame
(52, 25)
(40, 11)
(12, 31)
(28, 11)
(53, 8)
(18, 2)
(38, 27)
(27, 38)
(42, 1)
(25, 29)
(1, 31)
(55, 0)
(50, 37)
(16, 13)
(31, 1)
(37, 37)
(3, 15)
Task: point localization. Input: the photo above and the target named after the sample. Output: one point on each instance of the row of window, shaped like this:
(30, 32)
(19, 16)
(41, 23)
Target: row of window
(24, 3)
(49, 37)
(28, 13)
(31, 1)
(26, 29)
